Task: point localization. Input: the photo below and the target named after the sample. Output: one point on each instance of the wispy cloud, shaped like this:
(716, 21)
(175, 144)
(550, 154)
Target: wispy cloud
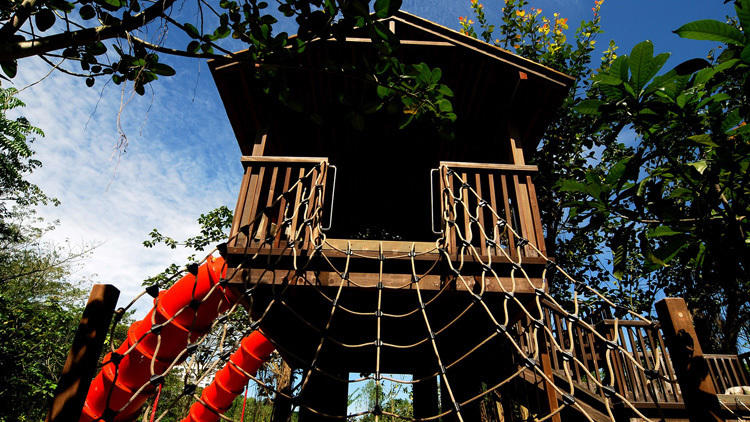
(181, 160)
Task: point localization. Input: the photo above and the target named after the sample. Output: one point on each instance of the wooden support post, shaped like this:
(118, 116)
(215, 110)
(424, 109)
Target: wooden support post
(549, 390)
(425, 395)
(685, 351)
(80, 366)
(325, 395)
(282, 406)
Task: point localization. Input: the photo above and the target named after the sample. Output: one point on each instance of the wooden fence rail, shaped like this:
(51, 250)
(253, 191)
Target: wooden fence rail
(264, 180)
(506, 188)
(726, 371)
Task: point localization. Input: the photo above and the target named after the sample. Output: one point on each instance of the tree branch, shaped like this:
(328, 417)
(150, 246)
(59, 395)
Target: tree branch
(19, 50)
(23, 13)
(172, 51)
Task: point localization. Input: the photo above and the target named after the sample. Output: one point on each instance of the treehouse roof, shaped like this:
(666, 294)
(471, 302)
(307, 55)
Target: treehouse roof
(493, 88)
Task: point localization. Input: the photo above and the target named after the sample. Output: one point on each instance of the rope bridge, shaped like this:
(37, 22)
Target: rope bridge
(194, 335)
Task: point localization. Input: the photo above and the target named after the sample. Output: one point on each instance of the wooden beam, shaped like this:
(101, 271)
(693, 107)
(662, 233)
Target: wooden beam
(687, 355)
(250, 159)
(490, 166)
(260, 142)
(80, 366)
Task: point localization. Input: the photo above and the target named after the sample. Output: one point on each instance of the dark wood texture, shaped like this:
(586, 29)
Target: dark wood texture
(80, 366)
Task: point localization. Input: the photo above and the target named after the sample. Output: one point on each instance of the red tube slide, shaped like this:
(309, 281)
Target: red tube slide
(114, 386)
(230, 381)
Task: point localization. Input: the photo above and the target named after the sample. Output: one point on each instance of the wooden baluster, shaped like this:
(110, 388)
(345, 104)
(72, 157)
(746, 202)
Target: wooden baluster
(468, 236)
(595, 360)
(480, 215)
(668, 367)
(493, 204)
(265, 221)
(639, 376)
(536, 216)
(508, 219)
(524, 213)
(584, 356)
(649, 363)
(282, 208)
(239, 208)
(296, 208)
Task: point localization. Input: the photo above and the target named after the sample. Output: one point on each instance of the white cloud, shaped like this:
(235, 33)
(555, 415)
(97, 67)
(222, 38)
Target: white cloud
(181, 160)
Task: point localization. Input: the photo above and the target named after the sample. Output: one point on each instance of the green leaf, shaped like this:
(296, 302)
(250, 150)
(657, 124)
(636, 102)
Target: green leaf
(222, 32)
(162, 69)
(662, 231)
(445, 105)
(589, 107)
(700, 166)
(383, 91)
(97, 48)
(385, 8)
(87, 12)
(617, 170)
(745, 55)
(44, 19)
(607, 79)
(704, 139)
(619, 248)
(643, 65)
(647, 252)
(569, 185)
(711, 30)
(62, 5)
(193, 46)
(732, 119)
(742, 8)
(445, 90)
(111, 5)
(10, 68)
(192, 31)
(620, 67)
(436, 75)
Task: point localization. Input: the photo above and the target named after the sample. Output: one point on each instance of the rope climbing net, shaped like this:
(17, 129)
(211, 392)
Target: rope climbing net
(192, 333)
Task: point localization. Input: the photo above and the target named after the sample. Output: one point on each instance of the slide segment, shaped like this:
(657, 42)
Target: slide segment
(229, 382)
(134, 368)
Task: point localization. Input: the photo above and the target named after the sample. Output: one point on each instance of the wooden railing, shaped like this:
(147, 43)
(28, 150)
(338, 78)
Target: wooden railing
(638, 340)
(506, 188)
(726, 371)
(264, 180)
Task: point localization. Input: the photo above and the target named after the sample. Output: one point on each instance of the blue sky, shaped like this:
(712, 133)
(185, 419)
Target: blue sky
(181, 157)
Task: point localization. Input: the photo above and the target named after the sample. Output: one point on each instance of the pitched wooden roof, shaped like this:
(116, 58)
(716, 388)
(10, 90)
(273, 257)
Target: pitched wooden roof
(492, 86)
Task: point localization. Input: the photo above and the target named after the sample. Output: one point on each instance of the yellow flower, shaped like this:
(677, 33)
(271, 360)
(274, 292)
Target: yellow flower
(520, 13)
(471, 22)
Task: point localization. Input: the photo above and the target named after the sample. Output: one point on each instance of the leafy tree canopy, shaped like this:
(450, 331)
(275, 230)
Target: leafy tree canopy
(40, 301)
(114, 39)
(648, 163)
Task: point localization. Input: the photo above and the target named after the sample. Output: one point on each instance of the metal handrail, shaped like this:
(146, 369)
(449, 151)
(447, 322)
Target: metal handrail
(432, 202)
(333, 198)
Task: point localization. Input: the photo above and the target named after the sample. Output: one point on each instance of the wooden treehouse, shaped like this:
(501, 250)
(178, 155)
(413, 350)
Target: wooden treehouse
(394, 238)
